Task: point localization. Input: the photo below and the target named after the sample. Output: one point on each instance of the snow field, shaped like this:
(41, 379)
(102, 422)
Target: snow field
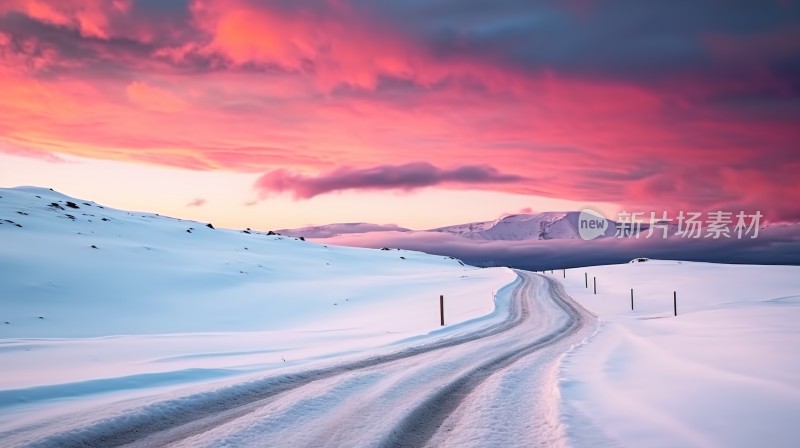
(724, 372)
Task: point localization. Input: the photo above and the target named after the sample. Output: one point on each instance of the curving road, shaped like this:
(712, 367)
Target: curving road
(492, 387)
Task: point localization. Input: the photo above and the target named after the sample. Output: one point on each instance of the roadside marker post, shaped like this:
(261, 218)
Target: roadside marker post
(441, 309)
(675, 303)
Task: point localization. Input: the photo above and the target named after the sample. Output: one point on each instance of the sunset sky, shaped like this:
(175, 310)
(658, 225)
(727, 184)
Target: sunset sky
(271, 114)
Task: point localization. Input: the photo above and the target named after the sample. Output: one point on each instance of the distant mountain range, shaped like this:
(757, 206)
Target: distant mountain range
(520, 227)
(541, 226)
(552, 240)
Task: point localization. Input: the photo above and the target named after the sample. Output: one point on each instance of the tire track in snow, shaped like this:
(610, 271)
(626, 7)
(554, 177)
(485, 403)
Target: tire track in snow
(210, 409)
(426, 419)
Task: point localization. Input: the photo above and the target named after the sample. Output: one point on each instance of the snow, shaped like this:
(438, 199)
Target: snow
(465, 230)
(427, 395)
(155, 321)
(724, 372)
(160, 303)
(540, 226)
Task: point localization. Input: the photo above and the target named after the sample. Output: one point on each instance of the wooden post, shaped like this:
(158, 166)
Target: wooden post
(631, 299)
(675, 302)
(595, 284)
(441, 309)
(586, 277)
(565, 273)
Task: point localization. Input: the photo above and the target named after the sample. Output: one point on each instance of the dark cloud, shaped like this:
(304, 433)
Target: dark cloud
(406, 177)
(664, 44)
(68, 50)
(150, 39)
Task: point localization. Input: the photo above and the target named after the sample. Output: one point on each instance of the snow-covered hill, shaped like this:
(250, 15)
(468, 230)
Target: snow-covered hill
(71, 267)
(109, 295)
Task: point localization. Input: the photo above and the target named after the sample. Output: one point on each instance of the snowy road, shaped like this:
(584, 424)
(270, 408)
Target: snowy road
(493, 387)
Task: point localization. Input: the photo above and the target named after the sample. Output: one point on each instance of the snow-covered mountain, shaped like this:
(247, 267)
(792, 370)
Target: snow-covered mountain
(541, 226)
(518, 227)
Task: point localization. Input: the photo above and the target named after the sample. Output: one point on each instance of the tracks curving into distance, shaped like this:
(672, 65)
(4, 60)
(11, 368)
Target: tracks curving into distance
(489, 387)
(427, 418)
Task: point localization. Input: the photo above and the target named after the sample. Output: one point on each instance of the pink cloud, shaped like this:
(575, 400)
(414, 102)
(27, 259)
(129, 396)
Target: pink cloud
(199, 202)
(332, 42)
(89, 17)
(287, 88)
(153, 98)
(32, 154)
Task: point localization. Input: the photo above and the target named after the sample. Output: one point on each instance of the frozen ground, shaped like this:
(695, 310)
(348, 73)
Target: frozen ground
(724, 373)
